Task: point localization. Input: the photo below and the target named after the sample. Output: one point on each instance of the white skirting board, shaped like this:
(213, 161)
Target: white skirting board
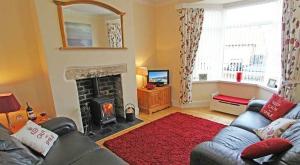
(194, 104)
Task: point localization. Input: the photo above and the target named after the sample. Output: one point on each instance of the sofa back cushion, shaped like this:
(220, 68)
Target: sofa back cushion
(294, 113)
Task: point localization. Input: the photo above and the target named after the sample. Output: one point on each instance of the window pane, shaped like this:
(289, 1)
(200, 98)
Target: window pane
(210, 46)
(249, 39)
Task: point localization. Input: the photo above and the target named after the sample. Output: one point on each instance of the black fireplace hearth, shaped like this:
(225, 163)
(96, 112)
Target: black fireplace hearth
(99, 133)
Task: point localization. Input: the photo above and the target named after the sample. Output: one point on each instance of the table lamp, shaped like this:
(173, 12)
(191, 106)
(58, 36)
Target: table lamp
(8, 103)
(142, 71)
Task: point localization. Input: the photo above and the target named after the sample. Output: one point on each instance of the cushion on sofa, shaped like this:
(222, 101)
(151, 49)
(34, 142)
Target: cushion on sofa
(69, 148)
(276, 107)
(266, 147)
(275, 129)
(36, 137)
(250, 120)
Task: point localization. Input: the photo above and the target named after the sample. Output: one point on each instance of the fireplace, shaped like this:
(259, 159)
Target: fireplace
(101, 101)
(100, 94)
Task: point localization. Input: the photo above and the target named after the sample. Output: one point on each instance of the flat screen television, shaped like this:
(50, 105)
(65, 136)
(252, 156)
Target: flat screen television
(158, 77)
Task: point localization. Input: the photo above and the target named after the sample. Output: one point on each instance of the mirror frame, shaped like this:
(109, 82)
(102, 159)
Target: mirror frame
(61, 4)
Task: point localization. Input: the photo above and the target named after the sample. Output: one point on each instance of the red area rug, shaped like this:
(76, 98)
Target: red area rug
(166, 141)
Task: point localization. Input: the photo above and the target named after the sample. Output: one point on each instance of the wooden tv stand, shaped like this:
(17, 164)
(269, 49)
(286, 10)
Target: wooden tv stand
(154, 100)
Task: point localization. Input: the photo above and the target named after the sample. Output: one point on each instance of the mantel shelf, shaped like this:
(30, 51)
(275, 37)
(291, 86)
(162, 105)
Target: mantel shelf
(83, 72)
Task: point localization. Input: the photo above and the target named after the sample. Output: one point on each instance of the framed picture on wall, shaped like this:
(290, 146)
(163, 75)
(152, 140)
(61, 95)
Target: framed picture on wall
(79, 34)
(272, 83)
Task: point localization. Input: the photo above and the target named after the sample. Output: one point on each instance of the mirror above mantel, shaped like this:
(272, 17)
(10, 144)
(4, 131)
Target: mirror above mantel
(90, 24)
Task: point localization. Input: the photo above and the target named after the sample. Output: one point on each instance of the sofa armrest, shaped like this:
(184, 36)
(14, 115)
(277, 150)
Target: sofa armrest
(256, 105)
(60, 125)
(213, 153)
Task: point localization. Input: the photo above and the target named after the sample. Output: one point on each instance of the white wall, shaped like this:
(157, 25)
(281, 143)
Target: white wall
(65, 92)
(237, 90)
(22, 65)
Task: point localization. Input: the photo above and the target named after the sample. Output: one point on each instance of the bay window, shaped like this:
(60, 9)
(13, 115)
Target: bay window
(245, 38)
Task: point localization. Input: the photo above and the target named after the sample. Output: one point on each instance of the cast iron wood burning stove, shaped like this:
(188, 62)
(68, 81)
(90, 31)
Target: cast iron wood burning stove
(103, 111)
(102, 108)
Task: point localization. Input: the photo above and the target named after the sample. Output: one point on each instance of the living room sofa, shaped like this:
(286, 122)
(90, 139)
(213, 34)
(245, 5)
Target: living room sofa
(72, 147)
(227, 145)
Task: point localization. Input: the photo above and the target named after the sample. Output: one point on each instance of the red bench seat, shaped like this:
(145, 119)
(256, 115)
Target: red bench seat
(232, 99)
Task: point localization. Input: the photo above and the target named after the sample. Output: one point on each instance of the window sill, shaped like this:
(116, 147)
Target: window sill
(273, 90)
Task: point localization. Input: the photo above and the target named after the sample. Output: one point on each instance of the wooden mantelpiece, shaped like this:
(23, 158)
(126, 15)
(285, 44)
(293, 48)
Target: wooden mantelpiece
(154, 100)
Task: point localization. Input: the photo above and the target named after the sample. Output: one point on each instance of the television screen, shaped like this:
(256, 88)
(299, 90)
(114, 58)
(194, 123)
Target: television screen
(158, 77)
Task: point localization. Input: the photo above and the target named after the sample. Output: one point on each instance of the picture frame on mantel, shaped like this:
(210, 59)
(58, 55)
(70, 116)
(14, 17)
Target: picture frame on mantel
(105, 35)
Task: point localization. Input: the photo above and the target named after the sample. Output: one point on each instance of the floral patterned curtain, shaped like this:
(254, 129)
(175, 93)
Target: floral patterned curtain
(290, 57)
(114, 35)
(191, 26)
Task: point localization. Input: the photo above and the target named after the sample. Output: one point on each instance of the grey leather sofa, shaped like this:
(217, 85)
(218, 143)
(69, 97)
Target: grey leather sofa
(72, 147)
(227, 145)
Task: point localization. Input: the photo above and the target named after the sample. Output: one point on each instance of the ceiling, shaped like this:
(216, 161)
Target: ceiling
(202, 1)
(219, 1)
